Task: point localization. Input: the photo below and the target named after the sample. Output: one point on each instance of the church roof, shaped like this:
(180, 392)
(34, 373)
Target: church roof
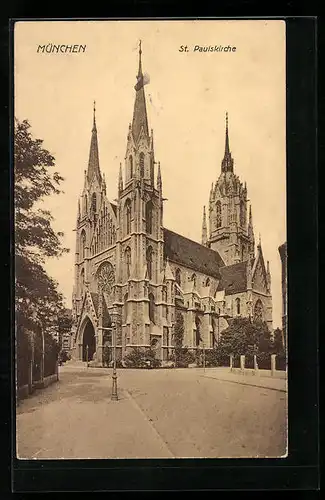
(114, 207)
(233, 278)
(191, 254)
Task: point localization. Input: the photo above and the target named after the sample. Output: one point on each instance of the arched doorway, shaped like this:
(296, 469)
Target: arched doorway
(88, 340)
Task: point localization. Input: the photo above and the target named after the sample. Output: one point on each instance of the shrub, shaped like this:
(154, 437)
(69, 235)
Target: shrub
(281, 362)
(263, 361)
(141, 358)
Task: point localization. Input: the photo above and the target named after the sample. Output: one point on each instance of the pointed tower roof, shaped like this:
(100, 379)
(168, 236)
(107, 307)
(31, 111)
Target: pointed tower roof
(204, 228)
(120, 180)
(168, 272)
(93, 163)
(159, 181)
(140, 119)
(227, 164)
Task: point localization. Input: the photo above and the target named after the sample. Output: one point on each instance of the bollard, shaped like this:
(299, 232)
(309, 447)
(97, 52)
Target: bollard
(273, 368)
(231, 361)
(255, 364)
(242, 362)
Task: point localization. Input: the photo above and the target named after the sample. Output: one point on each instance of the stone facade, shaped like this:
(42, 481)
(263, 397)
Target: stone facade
(137, 277)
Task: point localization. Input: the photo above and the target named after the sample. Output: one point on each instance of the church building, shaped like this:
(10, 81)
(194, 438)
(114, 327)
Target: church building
(135, 276)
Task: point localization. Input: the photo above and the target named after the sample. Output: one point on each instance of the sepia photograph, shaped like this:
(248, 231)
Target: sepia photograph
(150, 239)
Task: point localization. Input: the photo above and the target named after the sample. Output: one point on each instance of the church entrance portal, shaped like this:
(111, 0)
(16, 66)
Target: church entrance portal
(88, 340)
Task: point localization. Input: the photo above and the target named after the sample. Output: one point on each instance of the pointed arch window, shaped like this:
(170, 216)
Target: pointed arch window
(82, 244)
(149, 207)
(149, 262)
(141, 163)
(125, 308)
(198, 331)
(128, 262)
(131, 166)
(82, 282)
(94, 203)
(218, 213)
(258, 311)
(178, 277)
(151, 307)
(193, 278)
(207, 282)
(128, 216)
(238, 305)
(242, 213)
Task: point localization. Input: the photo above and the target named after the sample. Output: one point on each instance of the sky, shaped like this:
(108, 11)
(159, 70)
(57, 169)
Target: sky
(187, 99)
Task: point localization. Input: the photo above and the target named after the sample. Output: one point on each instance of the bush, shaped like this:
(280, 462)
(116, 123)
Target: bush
(249, 361)
(141, 358)
(263, 361)
(281, 362)
(23, 356)
(236, 362)
(182, 357)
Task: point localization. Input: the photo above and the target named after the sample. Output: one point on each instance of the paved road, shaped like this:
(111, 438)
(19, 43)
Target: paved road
(161, 413)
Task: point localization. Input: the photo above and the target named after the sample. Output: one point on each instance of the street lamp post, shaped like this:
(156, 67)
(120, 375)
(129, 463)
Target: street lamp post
(87, 355)
(114, 396)
(203, 357)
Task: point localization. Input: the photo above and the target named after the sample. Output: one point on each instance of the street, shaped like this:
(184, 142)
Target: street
(169, 413)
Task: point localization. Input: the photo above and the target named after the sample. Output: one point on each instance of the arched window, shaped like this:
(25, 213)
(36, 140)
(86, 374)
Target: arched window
(238, 305)
(141, 162)
(94, 203)
(125, 308)
(242, 213)
(131, 166)
(207, 282)
(193, 278)
(82, 245)
(127, 210)
(218, 213)
(198, 331)
(178, 277)
(151, 307)
(149, 207)
(149, 262)
(258, 311)
(128, 262)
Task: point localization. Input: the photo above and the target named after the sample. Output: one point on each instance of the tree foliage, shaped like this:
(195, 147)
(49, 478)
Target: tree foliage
(37, 297)
(244, 336)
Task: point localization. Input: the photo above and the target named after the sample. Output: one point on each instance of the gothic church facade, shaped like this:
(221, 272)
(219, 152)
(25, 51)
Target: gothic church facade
(136, 276)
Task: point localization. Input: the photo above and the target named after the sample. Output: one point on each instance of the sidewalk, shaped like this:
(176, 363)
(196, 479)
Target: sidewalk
(92, 426)
(247, 378)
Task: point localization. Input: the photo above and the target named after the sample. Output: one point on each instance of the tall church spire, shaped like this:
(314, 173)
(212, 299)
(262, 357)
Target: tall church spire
(204, 228)
(227, 164)
(93, 163)
(140, 119)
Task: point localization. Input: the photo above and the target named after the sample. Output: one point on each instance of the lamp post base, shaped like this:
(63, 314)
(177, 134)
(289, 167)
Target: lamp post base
(114, 396)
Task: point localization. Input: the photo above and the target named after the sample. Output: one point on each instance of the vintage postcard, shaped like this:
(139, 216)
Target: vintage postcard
(150, 239)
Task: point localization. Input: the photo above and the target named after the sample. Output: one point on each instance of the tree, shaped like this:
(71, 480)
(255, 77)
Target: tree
(64, 323)
(37, 298)
(243, 337)
(277, 344)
